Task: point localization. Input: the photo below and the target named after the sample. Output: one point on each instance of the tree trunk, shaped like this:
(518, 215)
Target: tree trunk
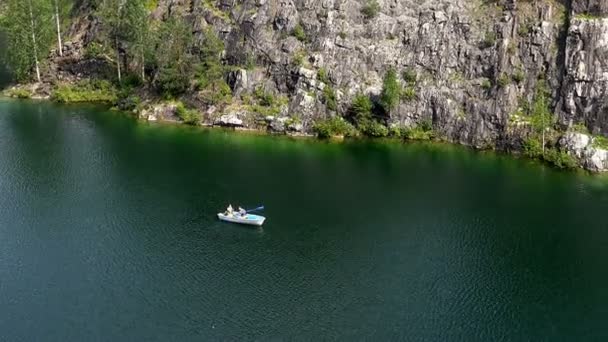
(143, 67)
(118, 62)
(59, 43)
(543, 141)
(33, 27)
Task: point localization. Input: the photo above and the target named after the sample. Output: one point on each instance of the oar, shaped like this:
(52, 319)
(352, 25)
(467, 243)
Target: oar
(256, 209)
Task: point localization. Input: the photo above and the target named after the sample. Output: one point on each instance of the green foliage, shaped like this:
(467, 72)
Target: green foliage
(127, 101)
(408, 93)
(263, 97)
(217, 92)
(175, 63)
(29, 33)
(342, 34)
(410, 75)
(322, 75)
(524, 29)
(503, 80)
(20, 93)
(86, 91)
(511, 48)
(486, 84)
(188, 116)
(559, 158)
(298, 32)
(151, 5)
(600, 142)
(587, 16)
(489, 39)
(95, 50)
(391, 91)
(533, 148)
(334, 126)
(370, 9)
(329, 98)
(372, 128)
(210, 69)
(519, 76)
(394, 131)
(361, 107)
(423, 131)
(299, 57)
(580, 128)
(540, 115)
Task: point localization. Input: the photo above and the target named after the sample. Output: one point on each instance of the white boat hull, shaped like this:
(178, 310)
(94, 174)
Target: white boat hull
(248, 219)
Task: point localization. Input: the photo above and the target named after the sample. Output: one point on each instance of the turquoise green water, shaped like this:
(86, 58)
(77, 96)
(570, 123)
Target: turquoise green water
(108, 232)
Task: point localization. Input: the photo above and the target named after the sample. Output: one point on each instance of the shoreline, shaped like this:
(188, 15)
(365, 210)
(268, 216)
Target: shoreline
(311, 137)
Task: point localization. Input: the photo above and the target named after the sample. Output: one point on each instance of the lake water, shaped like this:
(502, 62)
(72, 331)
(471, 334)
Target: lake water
(108, 233)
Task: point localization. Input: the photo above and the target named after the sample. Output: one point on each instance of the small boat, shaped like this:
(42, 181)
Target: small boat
(249, 219)
(242, 216)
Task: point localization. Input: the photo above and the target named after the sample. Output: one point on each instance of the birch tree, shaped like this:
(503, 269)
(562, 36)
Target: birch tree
(28, 28)
(126, 26)
(60, 9)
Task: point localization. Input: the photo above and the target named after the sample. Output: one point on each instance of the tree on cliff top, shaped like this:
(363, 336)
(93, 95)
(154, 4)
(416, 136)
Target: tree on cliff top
(28, 28)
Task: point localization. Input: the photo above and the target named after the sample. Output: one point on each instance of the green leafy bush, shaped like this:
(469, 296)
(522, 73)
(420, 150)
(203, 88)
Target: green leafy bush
(423, 131)
(188, 116)
(409, 93)
(503, 80)
(334, 126)
(391, 91)
(533, 147)
(394, 131)
(217, 92)
(370, 9)
(298, 32)
(372, 128)
(264, 98)
(489, 39)
(171, 82)
(322, 75)
(94, 50)
(560, 159)
(330, 98)
(519, 76)
(580, 128)
(486, 84)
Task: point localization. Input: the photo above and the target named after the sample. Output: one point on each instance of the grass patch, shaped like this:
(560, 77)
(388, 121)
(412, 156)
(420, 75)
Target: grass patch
(86, 91)
(19, 93)
(600, 142)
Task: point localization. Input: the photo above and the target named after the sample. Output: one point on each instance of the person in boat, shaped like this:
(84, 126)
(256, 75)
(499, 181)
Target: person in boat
(229, 210)
(242, 211)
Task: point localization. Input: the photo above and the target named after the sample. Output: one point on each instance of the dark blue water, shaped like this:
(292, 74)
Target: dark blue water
(108, 233)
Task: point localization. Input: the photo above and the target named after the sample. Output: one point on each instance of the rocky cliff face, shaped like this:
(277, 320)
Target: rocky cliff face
(469, 65)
